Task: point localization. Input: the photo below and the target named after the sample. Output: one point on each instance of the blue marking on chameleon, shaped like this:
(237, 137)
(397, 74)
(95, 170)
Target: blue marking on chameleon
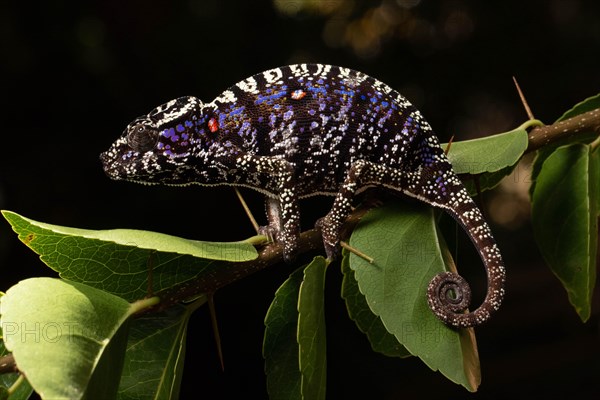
(236, 111)
(269, 99)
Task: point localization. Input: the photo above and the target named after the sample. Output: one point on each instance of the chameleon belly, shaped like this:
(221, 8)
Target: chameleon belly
(303, 130)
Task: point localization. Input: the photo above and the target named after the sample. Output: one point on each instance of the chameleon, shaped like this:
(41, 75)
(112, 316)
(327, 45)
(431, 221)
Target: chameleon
(312, 129)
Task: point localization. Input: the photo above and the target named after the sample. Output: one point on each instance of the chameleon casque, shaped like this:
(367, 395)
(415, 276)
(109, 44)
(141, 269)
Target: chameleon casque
(304, 130)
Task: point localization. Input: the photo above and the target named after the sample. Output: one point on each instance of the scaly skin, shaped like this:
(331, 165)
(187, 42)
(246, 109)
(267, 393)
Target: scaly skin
(304, 130)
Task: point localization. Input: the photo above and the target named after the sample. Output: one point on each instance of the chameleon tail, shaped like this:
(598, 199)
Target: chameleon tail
(448, 294)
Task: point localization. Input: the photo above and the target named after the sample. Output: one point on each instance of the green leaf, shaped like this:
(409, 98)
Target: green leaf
(280, 346)
(589, 104)
(370, 324)
(235, 251)
(311, 331)
(402, 239)
(565, 220)
(490, 158)
(294, 346)
(488, 154)
(155, 355)
(68, 338)
(118, 261)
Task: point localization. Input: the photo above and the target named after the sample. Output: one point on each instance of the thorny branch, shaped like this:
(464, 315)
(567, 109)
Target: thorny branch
(550, 134)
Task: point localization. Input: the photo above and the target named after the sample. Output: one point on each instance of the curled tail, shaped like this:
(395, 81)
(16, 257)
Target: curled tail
(448, 294)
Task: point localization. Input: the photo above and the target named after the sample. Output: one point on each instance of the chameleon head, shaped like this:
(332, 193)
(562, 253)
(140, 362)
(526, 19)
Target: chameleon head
(157, 148)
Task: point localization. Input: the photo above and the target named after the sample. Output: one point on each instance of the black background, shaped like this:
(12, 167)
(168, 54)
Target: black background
(73, 74)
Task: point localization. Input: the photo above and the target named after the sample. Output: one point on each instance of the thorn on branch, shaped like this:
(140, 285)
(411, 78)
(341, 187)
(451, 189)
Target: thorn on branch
(447, 149)
(523, 100)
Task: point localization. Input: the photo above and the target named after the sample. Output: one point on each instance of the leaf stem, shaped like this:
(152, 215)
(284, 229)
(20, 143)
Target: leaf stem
(141, 305)
(531, 122)
(13, 388)
(594, 145)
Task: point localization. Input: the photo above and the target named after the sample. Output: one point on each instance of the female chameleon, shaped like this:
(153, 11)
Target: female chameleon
(304, 130)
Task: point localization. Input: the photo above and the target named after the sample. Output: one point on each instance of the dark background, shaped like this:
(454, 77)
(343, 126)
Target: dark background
(74, 73)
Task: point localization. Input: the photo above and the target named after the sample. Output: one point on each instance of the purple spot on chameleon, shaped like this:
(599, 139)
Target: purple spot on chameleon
(322, 106)
(260, 119)
(245, 126)
(168, 132)
(189, 124)
(180, 128)
(311, 112)
(287, 115)
(314, 125)
(185, 136)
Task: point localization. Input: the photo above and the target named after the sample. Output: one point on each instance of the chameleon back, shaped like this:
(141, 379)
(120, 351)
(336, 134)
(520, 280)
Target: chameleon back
(322, 119)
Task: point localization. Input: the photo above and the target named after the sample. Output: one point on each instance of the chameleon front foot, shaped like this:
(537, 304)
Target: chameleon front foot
(330, 233)
(289, 244)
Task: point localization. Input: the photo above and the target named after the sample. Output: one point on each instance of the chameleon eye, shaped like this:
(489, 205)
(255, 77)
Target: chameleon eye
(142, 138)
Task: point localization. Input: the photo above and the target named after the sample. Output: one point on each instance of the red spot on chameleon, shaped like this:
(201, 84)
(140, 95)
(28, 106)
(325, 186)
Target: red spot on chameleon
(213, 125)
(298, 94)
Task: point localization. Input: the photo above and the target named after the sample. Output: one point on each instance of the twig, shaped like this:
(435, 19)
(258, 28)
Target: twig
(7, 364)
(548, 134)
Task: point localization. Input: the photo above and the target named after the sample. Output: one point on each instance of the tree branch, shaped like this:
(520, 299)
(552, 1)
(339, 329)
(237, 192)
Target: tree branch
(269, 255)
(7, 364)
(549, 134)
